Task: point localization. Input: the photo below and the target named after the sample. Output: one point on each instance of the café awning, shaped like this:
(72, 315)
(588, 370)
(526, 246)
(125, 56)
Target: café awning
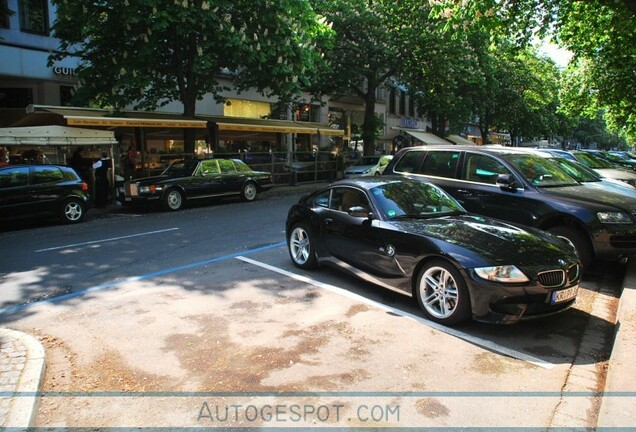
(55, 136)
(456, 139)
(427, 138)
(243, 124)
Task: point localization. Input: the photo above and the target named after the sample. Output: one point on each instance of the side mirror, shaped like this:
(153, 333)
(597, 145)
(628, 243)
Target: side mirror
(358, 211)
(506, 182)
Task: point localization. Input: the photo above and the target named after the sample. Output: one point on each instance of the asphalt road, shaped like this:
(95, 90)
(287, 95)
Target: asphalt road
(198, 318)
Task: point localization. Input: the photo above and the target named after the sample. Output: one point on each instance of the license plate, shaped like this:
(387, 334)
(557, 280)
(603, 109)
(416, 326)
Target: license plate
(564, 295)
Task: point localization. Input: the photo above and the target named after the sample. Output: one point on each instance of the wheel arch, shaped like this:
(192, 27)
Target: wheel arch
(570, 222)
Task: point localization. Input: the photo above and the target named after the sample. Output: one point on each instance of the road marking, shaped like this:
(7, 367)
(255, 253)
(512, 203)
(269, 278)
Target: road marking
(79, 293)
(448, 330)
(105, 240)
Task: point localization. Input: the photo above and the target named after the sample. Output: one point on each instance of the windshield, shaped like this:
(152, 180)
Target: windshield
(181, 168)
(414, 200)
(592, 161)
(368, 160)
(539, 171)
(575, 170)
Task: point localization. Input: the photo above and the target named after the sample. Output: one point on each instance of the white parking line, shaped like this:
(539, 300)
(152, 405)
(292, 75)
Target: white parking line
(448, 330)
(105, 240)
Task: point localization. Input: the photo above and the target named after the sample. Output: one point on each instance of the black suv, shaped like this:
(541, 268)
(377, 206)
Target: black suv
(34, 190)
(520, 186)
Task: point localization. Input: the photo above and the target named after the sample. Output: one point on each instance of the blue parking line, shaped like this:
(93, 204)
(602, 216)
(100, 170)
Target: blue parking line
(13, 309)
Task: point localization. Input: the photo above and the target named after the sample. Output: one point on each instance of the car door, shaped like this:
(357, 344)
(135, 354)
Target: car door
(14, 191)
(232, 180)
(210, 178)
(46, 188)
(349, 238)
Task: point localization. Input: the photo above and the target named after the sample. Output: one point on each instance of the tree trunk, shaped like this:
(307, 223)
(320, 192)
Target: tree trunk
(369, 126)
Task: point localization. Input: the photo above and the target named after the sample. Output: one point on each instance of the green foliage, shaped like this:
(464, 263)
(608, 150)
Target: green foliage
(151, 52)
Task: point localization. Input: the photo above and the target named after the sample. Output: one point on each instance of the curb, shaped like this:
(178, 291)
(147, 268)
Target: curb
(22, 408)
(617, 406)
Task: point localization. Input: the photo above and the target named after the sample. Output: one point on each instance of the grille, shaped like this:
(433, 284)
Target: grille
(573, 273)
(552, 278)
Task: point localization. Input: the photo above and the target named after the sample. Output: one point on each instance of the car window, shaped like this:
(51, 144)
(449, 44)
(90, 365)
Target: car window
(322, 199)
(46, 174)
(227, 166)
(539, 171)
(14, 177)
(410, 162)
(210, 167)
(242, 166)
(342, 199)
(483, 168)
(440, 164)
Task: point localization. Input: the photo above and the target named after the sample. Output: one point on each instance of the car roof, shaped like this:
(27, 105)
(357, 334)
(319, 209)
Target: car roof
(488, 148)
(370, 182)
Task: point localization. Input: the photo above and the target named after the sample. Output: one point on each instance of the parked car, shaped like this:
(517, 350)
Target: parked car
(605, 168)
(590, 178)
(520, 186)
(191, 179)
(412, 237)
(28, 191)
(362, 166)
(616, 160)
(379, 168)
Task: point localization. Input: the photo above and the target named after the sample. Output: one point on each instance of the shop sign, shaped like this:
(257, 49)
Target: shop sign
(408, 123)
(63, 70)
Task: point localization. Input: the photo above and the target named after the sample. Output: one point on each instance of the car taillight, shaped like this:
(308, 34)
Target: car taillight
(84, 187)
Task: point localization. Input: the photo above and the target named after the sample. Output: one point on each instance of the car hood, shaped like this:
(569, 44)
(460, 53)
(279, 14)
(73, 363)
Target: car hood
(492, 240)
(616, 173)
(602, 198)
(152, 180)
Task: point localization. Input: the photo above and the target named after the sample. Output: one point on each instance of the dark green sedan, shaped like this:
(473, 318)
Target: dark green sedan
(191, 179)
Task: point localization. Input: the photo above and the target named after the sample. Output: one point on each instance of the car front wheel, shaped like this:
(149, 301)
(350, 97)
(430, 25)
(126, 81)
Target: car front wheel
(173, 200)
(442, 293)
(249, 192)
(301, 247)
(72, 210)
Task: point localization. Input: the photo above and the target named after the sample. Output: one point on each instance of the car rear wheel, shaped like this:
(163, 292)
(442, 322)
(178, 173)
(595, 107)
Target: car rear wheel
(442, 293)
(173, 200)
(72, 210)
(580, 243)
(249, 192)
(301, 247)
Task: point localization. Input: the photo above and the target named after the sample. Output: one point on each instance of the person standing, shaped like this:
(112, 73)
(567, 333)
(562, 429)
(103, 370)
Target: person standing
(130, 163)
(102, 170)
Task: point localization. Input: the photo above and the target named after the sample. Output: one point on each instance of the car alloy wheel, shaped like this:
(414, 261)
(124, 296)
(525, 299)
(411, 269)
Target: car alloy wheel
(249, 192)
(442, 294)
(73, 211)
(173, 200)
(301, 248)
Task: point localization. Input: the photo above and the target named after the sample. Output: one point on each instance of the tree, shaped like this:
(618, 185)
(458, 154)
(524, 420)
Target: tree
(603, 32)
(147, 53)
(371, 45)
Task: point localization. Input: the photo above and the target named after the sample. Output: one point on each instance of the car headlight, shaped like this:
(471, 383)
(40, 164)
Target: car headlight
(613, 217)
(507, 273)
(150, 189)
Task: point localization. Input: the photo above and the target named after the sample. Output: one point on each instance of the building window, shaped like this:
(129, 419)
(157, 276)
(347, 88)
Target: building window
(4, 14)
(66, 95)
(34, 16)
(411, 107)
(402, 103)
(392, 101)
(15, 97)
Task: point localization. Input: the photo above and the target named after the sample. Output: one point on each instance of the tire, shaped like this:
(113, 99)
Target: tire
(301, 247)
(173, 200)
(442, 293)
(249, 191)
(72, 211)
(581, 244)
